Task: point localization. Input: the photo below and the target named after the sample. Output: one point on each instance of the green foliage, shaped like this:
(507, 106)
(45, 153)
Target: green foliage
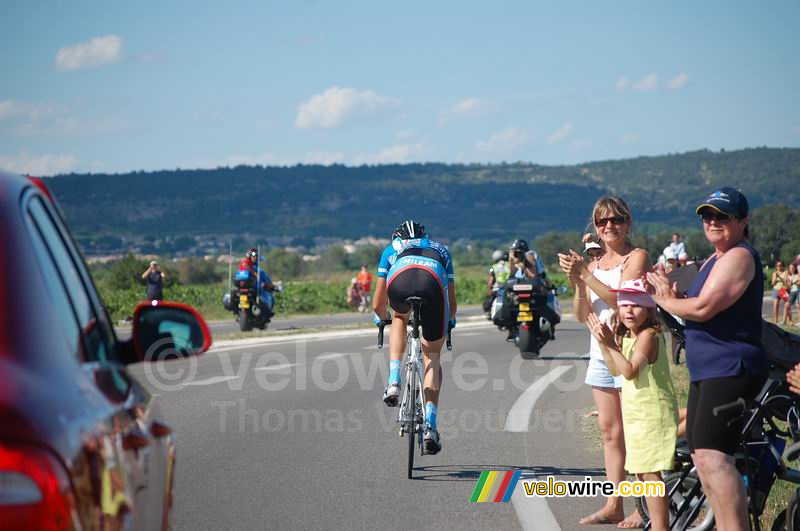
(195, 270)
(548, 246)
(490, 202)
(774, 231)
(284, 264)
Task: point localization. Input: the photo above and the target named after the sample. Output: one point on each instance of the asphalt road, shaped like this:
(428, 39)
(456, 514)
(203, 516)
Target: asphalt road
(291, 433)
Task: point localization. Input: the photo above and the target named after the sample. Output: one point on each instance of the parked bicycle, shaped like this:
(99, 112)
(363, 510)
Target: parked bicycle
(760, 461)
(411, 415)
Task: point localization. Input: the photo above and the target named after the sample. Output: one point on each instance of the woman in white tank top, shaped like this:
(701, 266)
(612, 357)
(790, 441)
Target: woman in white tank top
(612, 221)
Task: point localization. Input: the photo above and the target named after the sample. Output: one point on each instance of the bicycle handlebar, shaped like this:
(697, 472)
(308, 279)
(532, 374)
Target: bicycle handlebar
(381, 325)
(748, 406)
(386, 322)
(738, 405)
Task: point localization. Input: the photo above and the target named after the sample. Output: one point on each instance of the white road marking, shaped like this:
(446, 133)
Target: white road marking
(533, 513)
(212, 380)
(275, 367)
(468, 334)
(519, 416)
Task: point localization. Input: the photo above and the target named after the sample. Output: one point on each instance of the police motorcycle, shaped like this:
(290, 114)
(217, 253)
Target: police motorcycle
(250, 302)
(527, 308)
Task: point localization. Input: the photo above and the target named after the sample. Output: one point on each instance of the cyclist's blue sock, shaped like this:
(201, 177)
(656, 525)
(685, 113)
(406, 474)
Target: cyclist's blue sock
(394, 372)
(430, 414)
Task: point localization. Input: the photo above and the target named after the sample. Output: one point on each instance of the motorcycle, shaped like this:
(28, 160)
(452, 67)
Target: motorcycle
(528, 309)
(245, 301)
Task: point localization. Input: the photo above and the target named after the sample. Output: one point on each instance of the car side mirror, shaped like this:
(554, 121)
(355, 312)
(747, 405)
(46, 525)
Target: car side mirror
(168, 330)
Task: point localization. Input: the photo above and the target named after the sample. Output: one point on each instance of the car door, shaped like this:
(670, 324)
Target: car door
(122, 444)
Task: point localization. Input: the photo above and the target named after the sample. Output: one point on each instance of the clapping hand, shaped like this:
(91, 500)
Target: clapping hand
(660, 287)
(600, 330)
(793, 377)
(572, 264)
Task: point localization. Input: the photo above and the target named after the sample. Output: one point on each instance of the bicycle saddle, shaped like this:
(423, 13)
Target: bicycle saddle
(412, 300)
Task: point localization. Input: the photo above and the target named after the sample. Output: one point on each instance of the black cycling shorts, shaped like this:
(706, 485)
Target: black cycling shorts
(418, 282)
(704, 430)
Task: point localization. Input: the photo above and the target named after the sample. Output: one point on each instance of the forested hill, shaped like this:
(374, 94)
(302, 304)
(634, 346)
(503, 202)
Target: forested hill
(472, 200)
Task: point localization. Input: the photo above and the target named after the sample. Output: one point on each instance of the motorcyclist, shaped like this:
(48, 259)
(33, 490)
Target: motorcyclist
(498, 275)
(520, 263)
(253, 264)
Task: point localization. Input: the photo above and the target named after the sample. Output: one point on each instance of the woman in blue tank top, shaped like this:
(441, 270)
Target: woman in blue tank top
(723, 348)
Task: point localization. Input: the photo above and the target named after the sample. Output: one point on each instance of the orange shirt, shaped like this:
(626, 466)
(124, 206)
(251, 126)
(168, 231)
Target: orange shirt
(365, 279)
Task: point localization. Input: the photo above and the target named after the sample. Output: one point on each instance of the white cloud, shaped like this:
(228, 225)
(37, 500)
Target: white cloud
(466, 108)
(560, 134)
(325, 158)
(39, 165)
(622, 83)
(506, 140)
(337, 105)
(99, 51)
(263, 159)
(31, 111)
(646, 84)
(392, 154)
(629, 138)
(678, 82)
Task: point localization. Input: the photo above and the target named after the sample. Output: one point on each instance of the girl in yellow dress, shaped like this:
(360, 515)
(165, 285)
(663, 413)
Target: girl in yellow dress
(634, 347)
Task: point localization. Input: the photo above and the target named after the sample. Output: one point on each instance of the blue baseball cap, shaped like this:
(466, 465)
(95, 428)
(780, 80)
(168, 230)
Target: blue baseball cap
(727, 201)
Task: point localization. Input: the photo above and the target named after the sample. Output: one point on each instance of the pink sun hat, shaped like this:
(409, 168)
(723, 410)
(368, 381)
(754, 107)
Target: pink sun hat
(633, 292)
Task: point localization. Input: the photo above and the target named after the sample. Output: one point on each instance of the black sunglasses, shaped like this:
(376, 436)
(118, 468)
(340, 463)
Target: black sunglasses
(709, 215)
(615, 220)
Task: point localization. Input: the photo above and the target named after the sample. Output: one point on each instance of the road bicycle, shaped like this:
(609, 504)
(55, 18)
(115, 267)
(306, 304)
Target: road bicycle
(411, 415)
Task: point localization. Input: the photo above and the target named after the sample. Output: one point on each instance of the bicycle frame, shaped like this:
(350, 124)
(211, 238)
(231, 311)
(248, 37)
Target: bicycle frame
(413, 399)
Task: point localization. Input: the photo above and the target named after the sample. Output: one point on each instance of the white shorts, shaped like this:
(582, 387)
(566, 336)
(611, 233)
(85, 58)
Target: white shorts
(598, 375)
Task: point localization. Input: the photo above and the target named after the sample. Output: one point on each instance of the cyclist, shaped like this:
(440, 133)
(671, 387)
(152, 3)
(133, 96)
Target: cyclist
(415, 266)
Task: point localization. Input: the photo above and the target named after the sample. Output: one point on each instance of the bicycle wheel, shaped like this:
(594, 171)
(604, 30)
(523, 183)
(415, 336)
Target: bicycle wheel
(412, 420)
(704, 519)
(789, 518)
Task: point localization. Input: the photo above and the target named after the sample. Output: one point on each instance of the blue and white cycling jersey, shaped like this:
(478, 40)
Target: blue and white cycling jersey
(390, 264)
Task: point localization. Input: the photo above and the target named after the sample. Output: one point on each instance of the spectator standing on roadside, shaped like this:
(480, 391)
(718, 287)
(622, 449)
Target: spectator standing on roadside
(364, 278)
(592, 246)
(155, 282)
(726, 360)
(612, 220)
(794, 290)
(780, 284)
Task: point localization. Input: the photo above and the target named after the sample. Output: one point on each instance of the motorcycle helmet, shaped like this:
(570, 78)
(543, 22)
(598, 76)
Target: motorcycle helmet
(252, 252)
(519, 245)
(497, 255)
(409, 229)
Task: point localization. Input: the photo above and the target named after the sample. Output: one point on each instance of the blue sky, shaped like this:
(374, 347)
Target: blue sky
(118, 86)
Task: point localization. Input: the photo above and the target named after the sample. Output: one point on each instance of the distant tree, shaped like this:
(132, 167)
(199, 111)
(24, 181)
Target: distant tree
(183, 243)
(195, 270)
(283, 264)
(548, 246)
(771, 228)
(334, 258)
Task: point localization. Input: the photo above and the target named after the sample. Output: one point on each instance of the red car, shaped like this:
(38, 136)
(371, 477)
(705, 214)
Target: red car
(81, 443)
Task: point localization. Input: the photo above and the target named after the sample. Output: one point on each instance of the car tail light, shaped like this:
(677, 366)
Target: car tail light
(35, 491)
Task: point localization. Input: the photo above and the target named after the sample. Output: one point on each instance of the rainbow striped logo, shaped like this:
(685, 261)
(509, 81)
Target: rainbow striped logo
(495, 486)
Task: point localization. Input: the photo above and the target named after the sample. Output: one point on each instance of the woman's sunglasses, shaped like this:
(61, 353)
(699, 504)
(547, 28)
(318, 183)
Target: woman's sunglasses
(709, 215)
(615, 220)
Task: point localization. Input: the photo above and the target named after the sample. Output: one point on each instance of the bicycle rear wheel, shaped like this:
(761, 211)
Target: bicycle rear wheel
(412, 421)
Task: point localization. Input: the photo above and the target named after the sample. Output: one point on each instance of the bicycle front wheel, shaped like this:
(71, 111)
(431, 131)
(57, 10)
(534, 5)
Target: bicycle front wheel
(412, 421)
